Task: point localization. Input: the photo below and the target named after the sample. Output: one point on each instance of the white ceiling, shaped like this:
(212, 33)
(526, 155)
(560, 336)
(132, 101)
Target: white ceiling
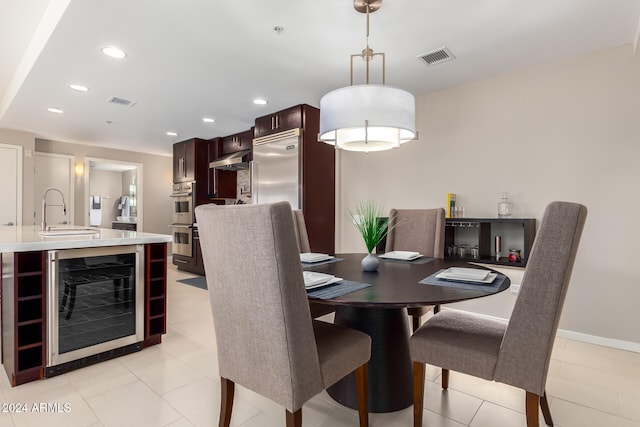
(193, 58)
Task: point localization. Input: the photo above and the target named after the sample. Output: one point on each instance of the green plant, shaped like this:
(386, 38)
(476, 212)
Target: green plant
(368, 221)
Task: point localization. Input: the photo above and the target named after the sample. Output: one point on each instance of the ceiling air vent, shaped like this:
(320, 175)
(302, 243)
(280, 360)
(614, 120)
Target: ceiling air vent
(121, 101)
(437, 56)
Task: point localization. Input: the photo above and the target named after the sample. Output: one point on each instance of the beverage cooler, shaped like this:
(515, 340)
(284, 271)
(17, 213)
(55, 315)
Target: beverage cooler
(95, 301)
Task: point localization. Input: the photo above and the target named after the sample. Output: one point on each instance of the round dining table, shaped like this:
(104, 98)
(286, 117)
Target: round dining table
(380, 310)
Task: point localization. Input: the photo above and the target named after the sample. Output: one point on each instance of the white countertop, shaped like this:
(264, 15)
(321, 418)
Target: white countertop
(27, 238)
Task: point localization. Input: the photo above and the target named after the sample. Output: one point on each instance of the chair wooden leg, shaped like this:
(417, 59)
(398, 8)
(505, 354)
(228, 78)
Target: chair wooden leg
(226, 402)
(546, 413)
(532, 403)
(418, 393)
(294, 419)
(445, 379)
(362, 390)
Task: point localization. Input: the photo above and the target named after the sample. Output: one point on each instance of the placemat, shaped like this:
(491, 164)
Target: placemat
(422, 260)
(433, 280)
(313, 264)
(338, 289)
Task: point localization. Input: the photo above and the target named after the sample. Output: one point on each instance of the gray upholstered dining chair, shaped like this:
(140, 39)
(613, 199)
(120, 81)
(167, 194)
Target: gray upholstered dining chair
(300, 229)
(519, 352)
(252, 265)
(417, 230)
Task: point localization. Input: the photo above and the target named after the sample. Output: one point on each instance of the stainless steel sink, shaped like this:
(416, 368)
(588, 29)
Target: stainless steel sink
(69, 231)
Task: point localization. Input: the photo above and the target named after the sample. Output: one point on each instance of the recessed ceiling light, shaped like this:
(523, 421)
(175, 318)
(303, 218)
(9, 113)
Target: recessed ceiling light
(55, 110)
(172, 133)
(79, 88)
(208, 120)
(260, 101)
(114, 52)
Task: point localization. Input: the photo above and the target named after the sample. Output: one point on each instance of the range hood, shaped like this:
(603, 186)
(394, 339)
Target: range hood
(234, 161)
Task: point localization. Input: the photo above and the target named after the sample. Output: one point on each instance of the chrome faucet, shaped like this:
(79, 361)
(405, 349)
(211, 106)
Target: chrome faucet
(44, 207)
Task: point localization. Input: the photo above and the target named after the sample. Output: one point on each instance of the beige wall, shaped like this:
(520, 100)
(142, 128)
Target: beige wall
(157, 179)
(157, 176)
(563, 131)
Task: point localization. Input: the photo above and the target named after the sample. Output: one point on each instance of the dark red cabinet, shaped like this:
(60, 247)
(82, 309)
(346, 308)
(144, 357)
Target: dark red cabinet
(237, 142)
(290, 118)
(184, 158)
(221, 183)
(155, 293)
(24, 316)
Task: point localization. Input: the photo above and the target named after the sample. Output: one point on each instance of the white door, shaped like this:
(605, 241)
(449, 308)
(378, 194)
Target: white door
(54, 170)
(11, 190)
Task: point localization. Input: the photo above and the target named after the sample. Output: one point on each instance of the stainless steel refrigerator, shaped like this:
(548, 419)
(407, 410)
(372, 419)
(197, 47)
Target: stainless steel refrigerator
(276, 169)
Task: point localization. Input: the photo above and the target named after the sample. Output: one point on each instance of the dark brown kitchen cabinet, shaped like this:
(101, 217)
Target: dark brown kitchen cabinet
(129, 226)
(198, 263)
(290, 118)
(237, 142)
(184, 161)
(221, 183)
(24, 316)
(190, 165)
(155, 293)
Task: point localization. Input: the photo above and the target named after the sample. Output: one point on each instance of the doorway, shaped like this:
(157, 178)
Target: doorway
(11, 192)
(113, 192)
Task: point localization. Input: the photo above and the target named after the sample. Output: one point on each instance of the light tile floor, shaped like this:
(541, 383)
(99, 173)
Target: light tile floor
(176, 384)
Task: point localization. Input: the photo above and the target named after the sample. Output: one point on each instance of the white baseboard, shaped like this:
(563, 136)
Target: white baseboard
(578, 336)
(606, 342)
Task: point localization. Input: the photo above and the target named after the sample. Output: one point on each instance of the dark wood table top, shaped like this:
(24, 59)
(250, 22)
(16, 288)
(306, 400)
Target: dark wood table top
(395, 284)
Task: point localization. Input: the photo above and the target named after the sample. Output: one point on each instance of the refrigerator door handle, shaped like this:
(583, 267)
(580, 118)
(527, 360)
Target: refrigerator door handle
(253, 176)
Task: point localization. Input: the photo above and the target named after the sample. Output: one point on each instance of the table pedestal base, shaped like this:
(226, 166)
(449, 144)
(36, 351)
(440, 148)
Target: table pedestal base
(390, 368)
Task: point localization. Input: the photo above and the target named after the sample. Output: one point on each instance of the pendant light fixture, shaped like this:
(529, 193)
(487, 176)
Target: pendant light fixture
(368, 117)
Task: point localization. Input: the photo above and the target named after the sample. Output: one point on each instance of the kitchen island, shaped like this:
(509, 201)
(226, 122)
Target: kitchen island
(77, 296)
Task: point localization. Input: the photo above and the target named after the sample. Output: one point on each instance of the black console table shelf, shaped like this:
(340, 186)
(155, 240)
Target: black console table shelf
(516, 233)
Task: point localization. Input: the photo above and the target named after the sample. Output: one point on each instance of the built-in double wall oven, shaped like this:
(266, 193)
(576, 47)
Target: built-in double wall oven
(183, 203)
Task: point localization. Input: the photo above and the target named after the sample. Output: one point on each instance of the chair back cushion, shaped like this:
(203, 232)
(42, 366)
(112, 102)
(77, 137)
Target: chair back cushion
(526, 348)
(263, 328)
(418, 230)
(300, 228)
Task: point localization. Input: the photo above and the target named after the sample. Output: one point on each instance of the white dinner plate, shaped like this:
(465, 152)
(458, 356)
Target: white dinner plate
(314, 257)
(327, 283)
(312, 278)
(489, 277)
(401, 255)
(466, 273)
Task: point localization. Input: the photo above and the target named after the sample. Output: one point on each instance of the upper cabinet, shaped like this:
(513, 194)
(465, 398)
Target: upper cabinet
(290, 118)
(188, 158)
(190, 165)
(237, 142)
(184, 161)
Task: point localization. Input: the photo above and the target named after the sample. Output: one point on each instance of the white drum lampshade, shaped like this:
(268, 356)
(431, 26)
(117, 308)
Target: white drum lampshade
(367, 117)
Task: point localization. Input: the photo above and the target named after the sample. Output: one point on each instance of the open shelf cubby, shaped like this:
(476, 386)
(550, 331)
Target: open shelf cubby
(515, 233)
(155, 323)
